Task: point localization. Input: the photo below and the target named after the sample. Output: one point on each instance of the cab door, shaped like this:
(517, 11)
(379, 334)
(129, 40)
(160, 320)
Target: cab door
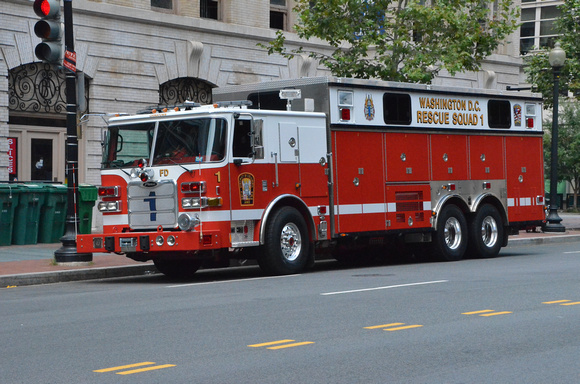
(250, 178)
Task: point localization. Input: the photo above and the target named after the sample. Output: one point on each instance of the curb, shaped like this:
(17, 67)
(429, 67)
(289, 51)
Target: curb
(515, 242)
(38, 278)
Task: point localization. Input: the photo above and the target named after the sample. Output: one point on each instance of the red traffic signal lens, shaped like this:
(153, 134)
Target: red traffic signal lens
(42, 8)
(47, 8)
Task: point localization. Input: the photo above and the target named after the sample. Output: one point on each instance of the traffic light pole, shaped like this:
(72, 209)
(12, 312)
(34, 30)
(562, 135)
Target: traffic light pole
(68, 252)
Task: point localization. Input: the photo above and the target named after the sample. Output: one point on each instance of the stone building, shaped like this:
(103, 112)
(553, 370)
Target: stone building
(135, 53)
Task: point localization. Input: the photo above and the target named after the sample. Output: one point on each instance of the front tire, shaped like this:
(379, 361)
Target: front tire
(486, 232)
(450, 240)
(286, 243)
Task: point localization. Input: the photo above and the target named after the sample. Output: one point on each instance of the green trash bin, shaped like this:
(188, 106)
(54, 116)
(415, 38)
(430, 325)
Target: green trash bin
(87, 197)
(53, 214)
(9, 195)
(27, 214)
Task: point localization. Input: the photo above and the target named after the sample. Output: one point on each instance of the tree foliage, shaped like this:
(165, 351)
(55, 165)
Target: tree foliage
(538, 67)
(402, 40)
(568, 147)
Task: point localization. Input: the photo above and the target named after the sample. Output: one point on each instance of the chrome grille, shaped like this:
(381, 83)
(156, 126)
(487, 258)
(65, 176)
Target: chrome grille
(152, 204)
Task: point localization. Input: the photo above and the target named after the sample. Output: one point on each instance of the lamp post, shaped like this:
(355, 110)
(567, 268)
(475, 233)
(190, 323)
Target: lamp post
(68, 252)
(557, 57)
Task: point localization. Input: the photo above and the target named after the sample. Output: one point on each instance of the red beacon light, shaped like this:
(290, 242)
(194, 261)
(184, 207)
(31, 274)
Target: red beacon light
(195, 186)
(530, 122)
(345, 114)
(108, 191)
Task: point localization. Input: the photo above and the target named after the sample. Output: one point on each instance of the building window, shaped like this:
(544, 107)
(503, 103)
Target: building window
(37, 87)
(209, 9)
(184, 89)
(537, 29)
(278, 11)
(163, 4)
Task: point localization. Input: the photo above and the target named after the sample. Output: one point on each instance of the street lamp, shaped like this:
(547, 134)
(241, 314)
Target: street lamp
(556, 58)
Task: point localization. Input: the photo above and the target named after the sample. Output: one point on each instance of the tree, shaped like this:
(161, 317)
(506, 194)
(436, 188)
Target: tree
(537, 64)
(568, 147)
(401, 40)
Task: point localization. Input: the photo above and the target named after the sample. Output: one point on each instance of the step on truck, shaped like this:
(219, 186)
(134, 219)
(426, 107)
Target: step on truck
(293, 169)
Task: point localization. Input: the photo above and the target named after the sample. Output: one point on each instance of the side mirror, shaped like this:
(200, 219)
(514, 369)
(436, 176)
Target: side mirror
(257, 142)
(119, 143)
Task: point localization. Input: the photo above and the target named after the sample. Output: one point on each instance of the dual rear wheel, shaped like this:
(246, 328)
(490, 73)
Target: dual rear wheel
(481, 236)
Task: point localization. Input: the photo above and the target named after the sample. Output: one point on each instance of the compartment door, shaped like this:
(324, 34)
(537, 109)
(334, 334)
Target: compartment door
(360, 181)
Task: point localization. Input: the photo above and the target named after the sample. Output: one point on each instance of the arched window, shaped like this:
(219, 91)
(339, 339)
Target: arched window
(185, 89)
(37, 87)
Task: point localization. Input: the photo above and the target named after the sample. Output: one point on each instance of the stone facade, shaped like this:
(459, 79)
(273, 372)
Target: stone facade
(127, 50)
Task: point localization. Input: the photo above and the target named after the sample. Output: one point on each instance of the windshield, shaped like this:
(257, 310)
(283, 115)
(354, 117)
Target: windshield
(176, 142)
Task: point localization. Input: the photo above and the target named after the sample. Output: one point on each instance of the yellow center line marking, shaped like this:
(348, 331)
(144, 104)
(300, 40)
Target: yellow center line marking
(477, 312)
(124, 367)
(145, 369)
(383, 326)
(401, 328)
(555, 302)
(574, 303)
(495, 313)
(270, 343)
(291, 345)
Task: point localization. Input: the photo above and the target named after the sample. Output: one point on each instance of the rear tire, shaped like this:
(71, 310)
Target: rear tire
(486, 232)
(450, 240)
(286, 243)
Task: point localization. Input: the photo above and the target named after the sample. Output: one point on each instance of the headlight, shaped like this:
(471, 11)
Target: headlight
(201, 202)
(109, 206)
(191, 202)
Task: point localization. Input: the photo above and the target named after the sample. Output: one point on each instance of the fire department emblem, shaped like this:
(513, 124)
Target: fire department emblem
(517, 115)
(246, 183)
(369, 108)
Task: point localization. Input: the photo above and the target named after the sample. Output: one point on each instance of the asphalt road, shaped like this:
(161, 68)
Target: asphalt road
(513, 319)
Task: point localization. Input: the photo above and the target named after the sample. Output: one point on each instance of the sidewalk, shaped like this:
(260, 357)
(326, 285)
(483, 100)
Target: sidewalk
(34, 264)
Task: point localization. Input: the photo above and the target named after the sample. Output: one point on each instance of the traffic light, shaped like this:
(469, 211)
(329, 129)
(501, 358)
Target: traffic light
(49, 29)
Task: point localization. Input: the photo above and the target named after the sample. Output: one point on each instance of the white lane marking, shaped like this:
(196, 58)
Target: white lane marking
(229, 281)
(387, 287)
(573, 252)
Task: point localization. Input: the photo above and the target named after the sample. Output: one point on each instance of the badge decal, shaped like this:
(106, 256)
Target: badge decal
(246, 184)
(369, 108)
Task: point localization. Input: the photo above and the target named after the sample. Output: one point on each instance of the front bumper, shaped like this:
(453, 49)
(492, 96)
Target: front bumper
(136, 242)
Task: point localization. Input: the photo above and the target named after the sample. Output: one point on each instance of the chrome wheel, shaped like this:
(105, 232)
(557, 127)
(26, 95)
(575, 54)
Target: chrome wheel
(290, 242)
(486, 232)
(452, 233)
(286, 243)
(489, 231)
(450, 239)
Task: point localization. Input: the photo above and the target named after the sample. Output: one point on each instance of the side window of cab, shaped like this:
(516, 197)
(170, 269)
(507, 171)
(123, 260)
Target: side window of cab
(242, 138)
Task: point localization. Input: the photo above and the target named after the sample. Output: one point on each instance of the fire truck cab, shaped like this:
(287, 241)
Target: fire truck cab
(329, 163)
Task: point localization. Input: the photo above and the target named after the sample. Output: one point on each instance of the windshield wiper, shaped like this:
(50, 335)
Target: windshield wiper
(176, 163)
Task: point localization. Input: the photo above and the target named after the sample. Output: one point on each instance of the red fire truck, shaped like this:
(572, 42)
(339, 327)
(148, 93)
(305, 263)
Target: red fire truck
(320, 163)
